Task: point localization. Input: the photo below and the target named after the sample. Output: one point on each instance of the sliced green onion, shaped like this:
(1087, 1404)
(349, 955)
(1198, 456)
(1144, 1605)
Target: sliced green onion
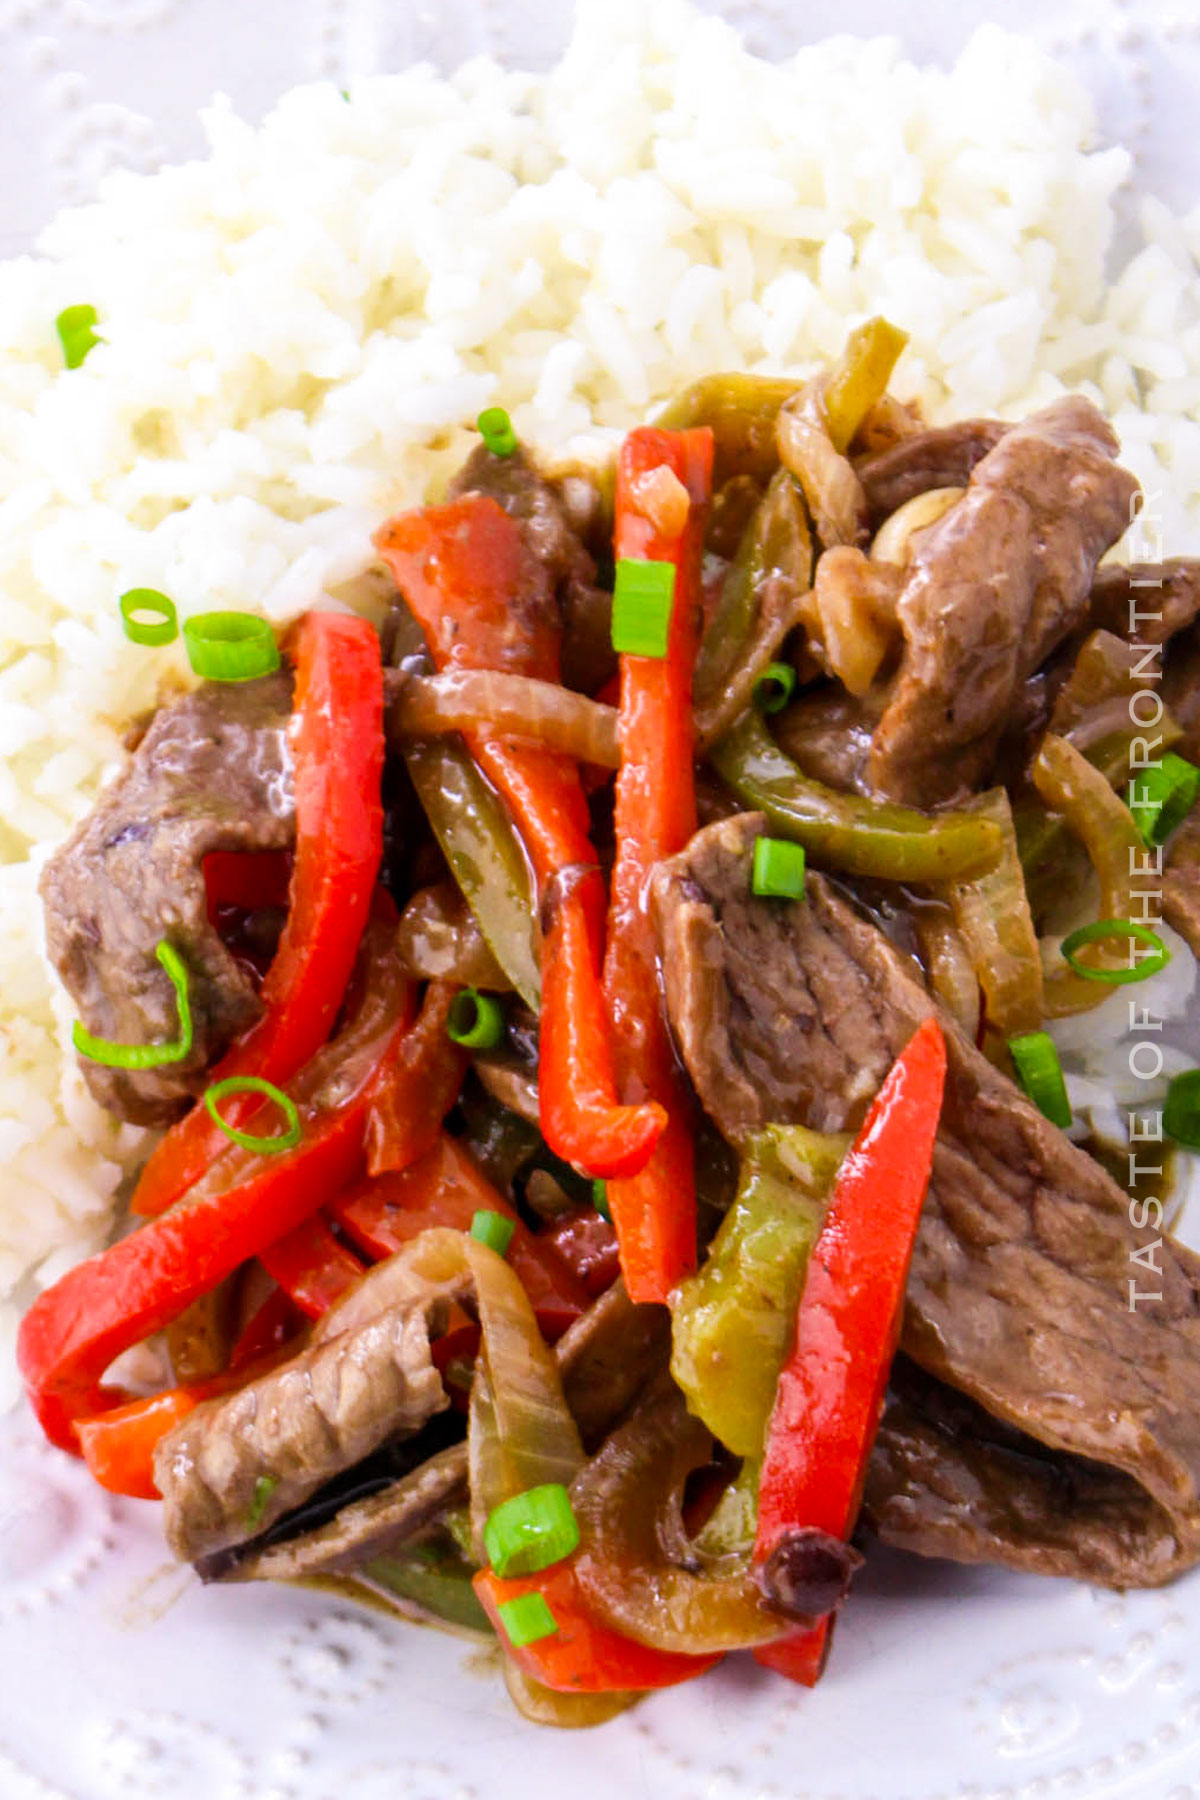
(1104, 929)
(495, 428)
(1035, 1058)
(778, 869)
(254, 1084)
(643, 598)
(774, 687)
(476, 1021)
(146, 1056)
(264, 1487)
(531, 1531)
(1181, 1114)
(230, 646)
(1168, 790)
(600, 1198)
(76, 333)
(526, 1619)
(494, 1230)
(162, 627)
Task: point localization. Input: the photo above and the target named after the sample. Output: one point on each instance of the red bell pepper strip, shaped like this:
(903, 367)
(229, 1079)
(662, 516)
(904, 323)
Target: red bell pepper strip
(118, 1447)
(277, 1321)
(337, 743)
(248, 879)
(420, 1088)
(832, 1388)
(654, 1210)
(584, 1656)
(484, 602)
(446, 1188)
(312, 1266)
(77, 1328)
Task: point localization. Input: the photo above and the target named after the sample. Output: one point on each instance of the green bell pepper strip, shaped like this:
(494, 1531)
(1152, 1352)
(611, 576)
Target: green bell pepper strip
(732, 1321)
(847, 831)
(477, 839)
(741, 410)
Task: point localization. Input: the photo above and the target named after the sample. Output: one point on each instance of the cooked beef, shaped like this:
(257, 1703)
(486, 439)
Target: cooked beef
(1146, 603)
(605, 1359)
(942, 456)
(1181, 689)
(1181, 882)
(991, 588)
(1020, 1288)
(948, 1479)
(213, 772)
(241, 1461)
(827, 732)
(538, 505)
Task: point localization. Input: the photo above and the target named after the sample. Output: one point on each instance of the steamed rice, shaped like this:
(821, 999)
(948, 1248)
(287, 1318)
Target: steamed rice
(299, 330)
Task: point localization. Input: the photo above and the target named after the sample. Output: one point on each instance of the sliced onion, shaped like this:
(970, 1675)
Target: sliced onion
(507, 705)
(951, 972)
(832, 490)
(892, 543)
(992, 914)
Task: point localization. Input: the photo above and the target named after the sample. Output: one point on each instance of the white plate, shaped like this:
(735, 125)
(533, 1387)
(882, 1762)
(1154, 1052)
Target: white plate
(121, 1679)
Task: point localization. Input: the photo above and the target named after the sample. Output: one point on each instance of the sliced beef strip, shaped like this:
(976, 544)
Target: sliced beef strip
(1181, 689)
(991, 588)
(940, 457)
(213, 772)
(1020, 1288)
(539, 507)
(1181, 882)
(605, 1359)
(241, 1461)
(948, 1479)
(1146, 603)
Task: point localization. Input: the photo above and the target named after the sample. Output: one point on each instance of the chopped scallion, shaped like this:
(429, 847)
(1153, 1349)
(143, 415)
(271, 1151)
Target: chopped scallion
(494, 1230)
(146, 1056)
(1100, 932)
(254, 1084)
(76, 327)
(161, 627)
(264, 1487)
(476, 1021)
(230, 646)
(778, 869)
(600, 1198)
(643, 598)
(526, 1619)
(531, 1531)
(1035, 1058)
(495, 428)
(774, 687)
(1162, 795)
(1181, 1114)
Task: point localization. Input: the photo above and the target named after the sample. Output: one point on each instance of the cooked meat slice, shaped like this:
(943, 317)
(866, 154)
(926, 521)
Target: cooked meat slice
(1181, 882)
(942, 456)
(213, 772)
(991, 588)
(827, 732)
(608, 1356)
(1020, 1287)
(239, 1462)
(947, 1479)
(1181, 689)
(539, 507)
(1146, 603)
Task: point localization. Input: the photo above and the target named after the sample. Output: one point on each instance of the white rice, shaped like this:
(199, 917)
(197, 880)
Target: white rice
(299, 330)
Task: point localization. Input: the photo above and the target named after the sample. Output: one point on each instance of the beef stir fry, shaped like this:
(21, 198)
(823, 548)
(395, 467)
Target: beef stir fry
(616, 1165)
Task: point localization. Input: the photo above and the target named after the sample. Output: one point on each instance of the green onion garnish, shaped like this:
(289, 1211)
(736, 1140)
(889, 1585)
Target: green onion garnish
(494, 1230)
(76, 333)
(254, 1084)
(1163, 797)
(774, 687)
(264, 1487)
(526, 1619)
(1116, 928)
(495, 428)
(475, 1021)
(643, 597)
(778, 869)
(1181, 1114)
(162, 627)
(1035, 1058)
(600, 1198)
(146, 1056)
(230, 646)
(531, 1531)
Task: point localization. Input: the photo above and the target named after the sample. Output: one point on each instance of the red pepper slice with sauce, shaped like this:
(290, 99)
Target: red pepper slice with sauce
(337, 742)
(833, 1385)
